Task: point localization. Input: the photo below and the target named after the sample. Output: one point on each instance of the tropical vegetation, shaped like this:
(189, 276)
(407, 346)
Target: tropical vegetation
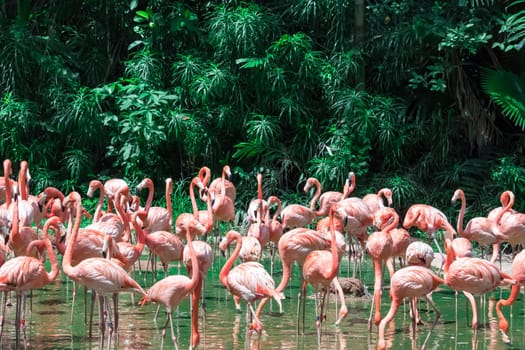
(422, 97)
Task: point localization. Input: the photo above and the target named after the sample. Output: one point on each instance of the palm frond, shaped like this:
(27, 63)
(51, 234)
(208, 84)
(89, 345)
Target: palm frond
(507, 90)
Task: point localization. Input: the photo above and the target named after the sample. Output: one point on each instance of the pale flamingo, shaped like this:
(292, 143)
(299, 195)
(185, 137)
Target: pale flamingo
(9, 190)
(248, 280)
(222, 203)
(376, 202)
(429, 220)
(205, 260)
(410, 282)
(387, 217)
(223, 185)
(258, 206)
(419, 254)
(356, 222)
(184, 218)
(294, 246)
(30, 210)
(24, 273)
(276, 227)
(379, 247)
(159, 218)
(111, 187)
(510, 226)
(518, 274)
(328, 198)
(478, 229)
(102, 275)
(297, 215)
(21, 235)
(472, 276)
(171, 290)
(320, 269)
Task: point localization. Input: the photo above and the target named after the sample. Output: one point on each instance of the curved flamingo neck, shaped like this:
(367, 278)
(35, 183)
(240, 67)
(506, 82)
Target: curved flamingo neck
(195, 273)
(7, 181)
(123, 191)
(514, 293)
(93, 186)
(205, 175)
(72, 199)
(22, 181)
(461, 215)
(333, 246)
(385, 193)
(394, 221)
(349, 185)
(15, 222)
(141, 236)
(276, 200)
(209, 209)
(49, 248)
(223, 276)
(149, 200)
(169, 207)
(194, 207)
(451, 255)
(317, 194)
(507, 201)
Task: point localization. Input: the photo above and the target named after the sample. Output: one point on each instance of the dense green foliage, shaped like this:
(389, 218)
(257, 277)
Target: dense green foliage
(425, 97)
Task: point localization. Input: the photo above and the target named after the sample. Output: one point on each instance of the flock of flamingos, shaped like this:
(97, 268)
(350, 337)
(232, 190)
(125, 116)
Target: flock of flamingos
(100, 256)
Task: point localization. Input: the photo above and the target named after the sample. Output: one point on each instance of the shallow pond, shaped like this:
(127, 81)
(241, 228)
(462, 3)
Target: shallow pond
(51, 324)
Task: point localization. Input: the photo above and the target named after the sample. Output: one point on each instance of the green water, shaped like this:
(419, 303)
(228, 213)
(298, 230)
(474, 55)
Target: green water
(50, 323)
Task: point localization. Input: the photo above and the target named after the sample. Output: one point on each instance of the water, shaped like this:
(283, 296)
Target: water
(49, 324)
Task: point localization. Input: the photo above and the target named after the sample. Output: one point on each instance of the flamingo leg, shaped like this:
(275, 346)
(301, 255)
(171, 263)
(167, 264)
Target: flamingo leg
(470, 297)
(344, 310)
(438, 315)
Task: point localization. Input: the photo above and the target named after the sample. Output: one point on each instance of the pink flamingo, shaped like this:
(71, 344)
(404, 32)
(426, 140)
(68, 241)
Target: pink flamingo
(375, 200)
(320, 268)
(379, 247)
(111, 187)
(258, 207)
(21, 235)
(509, 226)
(204, 255)
(387, 217)
(9, 190)
(24, 272)
(429, 220)
(159, 218)
(328, 198)
(222, 202)
(410, 282)
(472, 276)
(102, 275)
(171, 290)
(297, 215)
(248, 280)
(478, 229)
(223, 186)
(518, 274)
(184, 218)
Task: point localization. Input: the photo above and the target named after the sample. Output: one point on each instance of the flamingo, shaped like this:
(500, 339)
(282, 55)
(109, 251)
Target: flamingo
(24, 273)
(158, 218)
(375, 200)
(518, 274)
(388, 218)
(380, 248)
(429, 220)
(102, 275)
(509, 226)
(31, 210)
(409, 282)
(297, 215)
(472, 276)
(9, 190)
(478, 229)
(21, 235)
(320, 268)
(204, 254)
(258, 206)
(223, 185)
(171, 290)
(249, 280)
(328, 198)
(276, 227)
(184, 218)
(222, 202)
(111, 187)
